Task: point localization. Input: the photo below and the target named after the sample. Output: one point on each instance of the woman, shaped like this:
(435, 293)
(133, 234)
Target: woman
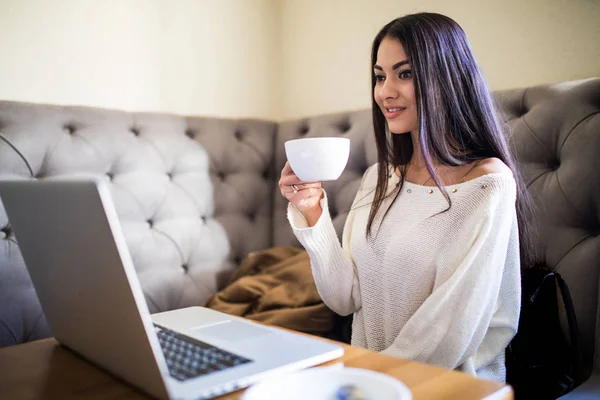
(430, 256)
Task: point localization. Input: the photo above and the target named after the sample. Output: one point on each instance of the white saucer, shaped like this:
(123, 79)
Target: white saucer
(321, 383)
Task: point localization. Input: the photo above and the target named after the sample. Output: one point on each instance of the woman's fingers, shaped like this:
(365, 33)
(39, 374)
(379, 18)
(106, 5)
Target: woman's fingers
(295, 184)
(287, 169)
(302, 186)
(302, 196)
(292, 179)
(301, 191)
(288, 178)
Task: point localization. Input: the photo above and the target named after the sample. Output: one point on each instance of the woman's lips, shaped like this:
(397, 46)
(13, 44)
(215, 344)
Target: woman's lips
(393, 112)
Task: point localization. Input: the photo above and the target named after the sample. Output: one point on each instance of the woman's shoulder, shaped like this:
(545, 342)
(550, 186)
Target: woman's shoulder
(492, 170)
(489, 184)
(490, 166)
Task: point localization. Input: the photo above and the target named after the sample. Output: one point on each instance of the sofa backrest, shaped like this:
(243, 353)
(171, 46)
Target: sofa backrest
(554, 132)
(193, 196)
(555, 135)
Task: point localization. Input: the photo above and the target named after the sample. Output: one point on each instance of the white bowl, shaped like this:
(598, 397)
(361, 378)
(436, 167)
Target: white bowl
(321, 383)
(318, 159)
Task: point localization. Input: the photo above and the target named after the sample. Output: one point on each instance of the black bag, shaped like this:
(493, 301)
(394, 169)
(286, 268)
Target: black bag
(542, 362)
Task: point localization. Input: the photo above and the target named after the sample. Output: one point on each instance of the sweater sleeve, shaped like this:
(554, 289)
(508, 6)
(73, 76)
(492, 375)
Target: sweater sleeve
(332, 264)
(472, 299)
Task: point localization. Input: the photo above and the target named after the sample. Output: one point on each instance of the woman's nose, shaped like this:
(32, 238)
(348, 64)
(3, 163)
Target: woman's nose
(388, 91)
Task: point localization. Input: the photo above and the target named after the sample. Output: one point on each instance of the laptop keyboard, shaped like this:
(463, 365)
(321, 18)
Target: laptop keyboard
(189, 358)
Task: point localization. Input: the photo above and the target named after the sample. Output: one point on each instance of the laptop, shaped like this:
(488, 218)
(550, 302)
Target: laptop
(72, 243)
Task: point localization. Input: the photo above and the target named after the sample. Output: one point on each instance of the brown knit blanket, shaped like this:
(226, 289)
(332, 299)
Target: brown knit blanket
(276, 286)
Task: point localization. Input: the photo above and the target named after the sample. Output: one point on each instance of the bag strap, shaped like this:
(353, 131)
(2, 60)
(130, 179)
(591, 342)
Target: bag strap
(534, 295)
(573, 327)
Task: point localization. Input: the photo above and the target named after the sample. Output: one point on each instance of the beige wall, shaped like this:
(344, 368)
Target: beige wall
(81, 52)
(326, 45)
(274, 59)
(204, 57)
(221, 58)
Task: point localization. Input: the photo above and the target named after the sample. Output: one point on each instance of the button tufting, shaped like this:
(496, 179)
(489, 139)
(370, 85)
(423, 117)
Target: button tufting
(252, 216)
(203, 218)
(135, 131)
(522, 111)
(170, 176)
(70, 129)
(185, 268)
(190, 133)
(345, 126)
(237, 259)
(5, 232)
(150, 223)
(303, 131)
(554, 165)
(238, 135)
(221, 176)
(110, 175)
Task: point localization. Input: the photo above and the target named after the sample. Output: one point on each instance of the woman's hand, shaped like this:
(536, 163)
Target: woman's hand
(305, 196)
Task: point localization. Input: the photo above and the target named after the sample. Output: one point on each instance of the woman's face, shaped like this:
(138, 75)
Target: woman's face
(394, 91)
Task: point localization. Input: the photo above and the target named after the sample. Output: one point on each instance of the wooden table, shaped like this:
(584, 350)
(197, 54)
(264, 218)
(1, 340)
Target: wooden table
(45, 370)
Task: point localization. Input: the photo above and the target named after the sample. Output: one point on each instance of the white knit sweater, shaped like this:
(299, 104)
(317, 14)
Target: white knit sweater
(437, 287)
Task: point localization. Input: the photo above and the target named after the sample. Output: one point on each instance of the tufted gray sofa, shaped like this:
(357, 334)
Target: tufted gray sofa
(195, 195)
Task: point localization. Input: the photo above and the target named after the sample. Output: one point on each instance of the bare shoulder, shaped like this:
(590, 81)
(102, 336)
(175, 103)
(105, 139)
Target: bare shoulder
(488, 166)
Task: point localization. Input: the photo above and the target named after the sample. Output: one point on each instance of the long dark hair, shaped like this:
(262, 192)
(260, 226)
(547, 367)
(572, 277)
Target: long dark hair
(457, 120)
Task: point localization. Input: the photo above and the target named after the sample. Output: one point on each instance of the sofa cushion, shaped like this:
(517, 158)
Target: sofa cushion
(241, 169)
(21, 319)
(553, 131)
(164, 186)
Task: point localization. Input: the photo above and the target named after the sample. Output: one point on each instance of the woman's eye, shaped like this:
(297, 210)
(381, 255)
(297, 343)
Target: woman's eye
(406, 74)
(379, 78)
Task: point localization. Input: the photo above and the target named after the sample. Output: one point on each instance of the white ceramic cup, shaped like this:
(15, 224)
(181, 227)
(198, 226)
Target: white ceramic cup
(318, 159)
